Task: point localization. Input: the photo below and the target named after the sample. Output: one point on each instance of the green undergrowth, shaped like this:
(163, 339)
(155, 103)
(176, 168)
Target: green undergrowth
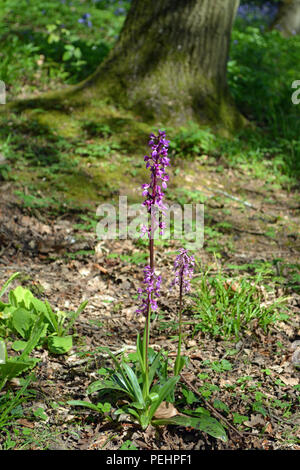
(60, 162)
(227, 307)
(75, 155)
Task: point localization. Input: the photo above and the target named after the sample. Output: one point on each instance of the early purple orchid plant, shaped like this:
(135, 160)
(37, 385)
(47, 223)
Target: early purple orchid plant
(184, 269)
(153, 191)
(138, 382)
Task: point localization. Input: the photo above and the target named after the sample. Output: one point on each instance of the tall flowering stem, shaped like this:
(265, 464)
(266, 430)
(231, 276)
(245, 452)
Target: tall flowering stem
(184, 269)
(156, 162)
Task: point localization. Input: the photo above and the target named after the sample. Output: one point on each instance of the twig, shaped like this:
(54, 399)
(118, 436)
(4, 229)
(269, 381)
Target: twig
(213, 410)
(234, 198)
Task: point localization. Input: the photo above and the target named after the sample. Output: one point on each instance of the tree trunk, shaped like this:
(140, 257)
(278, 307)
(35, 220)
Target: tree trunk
(170, 62)
(287, 20)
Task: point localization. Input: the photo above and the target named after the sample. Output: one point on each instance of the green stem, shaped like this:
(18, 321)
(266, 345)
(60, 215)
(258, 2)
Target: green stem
(146, 349)
(177, 361)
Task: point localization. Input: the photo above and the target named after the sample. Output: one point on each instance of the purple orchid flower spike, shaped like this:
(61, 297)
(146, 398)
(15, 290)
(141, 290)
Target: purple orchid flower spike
(153, 191)
(150, 292)
(184, 270)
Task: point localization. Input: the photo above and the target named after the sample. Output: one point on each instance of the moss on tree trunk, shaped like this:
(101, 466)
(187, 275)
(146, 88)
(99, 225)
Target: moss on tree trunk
(168, 66)
(170, 62)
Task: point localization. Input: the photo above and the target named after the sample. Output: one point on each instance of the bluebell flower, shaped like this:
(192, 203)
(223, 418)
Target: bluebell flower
(85, 20)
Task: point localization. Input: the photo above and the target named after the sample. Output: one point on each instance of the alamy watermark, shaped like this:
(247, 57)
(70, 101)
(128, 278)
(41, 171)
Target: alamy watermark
(296, 94)
(2, 92)
(180, 222)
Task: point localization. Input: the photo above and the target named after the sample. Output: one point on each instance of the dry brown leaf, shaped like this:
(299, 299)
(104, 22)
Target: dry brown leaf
(165, 410)
(289, 381)
(296, 358)
(26, 423)
(256, 420)
(268, 428)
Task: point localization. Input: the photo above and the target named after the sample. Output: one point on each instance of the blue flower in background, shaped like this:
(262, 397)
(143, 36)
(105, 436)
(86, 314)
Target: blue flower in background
(250, 12)
(120, 11)
(85, 20)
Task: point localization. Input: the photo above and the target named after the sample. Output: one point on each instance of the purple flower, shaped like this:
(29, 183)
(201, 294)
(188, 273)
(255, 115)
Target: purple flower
(148, 293)
(85, 20)
(184, 270)
(266, 12)
(156, 163)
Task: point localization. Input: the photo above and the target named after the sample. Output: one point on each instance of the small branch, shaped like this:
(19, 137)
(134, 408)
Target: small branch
(212, 409)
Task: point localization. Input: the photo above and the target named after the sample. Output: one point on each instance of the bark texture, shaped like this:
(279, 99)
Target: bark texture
(287, 20)
(170, 61)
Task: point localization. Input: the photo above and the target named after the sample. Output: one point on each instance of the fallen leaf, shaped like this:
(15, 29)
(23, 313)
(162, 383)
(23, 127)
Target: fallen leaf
(289, 381)
(256, 420)
(268, 428)
(165, 410)
(26, 423)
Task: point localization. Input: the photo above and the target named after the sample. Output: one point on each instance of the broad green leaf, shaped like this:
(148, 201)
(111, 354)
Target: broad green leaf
(132, 411)
(19, 345)
(137, 405)
(85, 404)
(144, 421)
(154, 366)
(162, 393)
(203, 423)
(60, 344)
(38, 331)
(21, 297)
(136, 389)
(38, 306)
(22, 321)
(67, 55)
(12, 368)
(154, 396)
(51, 317)
(105, 385)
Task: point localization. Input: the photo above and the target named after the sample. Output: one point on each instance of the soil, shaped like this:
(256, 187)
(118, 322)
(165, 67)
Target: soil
(47, 253)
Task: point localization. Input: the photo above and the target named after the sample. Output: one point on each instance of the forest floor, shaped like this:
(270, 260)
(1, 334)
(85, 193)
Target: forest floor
(251, 381)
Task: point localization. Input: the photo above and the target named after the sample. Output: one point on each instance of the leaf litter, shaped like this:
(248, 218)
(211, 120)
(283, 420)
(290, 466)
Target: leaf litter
(258, 385)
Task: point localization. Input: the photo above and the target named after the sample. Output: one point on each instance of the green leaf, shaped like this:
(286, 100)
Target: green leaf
(85, 404)
(154, 366)
(203, 423)
(139, 350)
(22, 321)
(38, 306)
(21, 297)
(162, 393)
(75, 315)
(136, 389)
(15, 400)
(60, 344)
(67, 56)
(180, 363)
(12, 368)
(100, 385)
(40, 413)
(51, 317)
(6, 284)
(3, 353)
(38, 331)
(77, 53)
(19, 345)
